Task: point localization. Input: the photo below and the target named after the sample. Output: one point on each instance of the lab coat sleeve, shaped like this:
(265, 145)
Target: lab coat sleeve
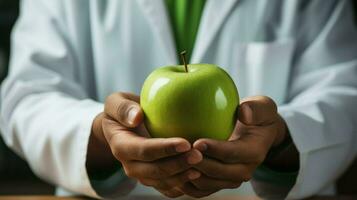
(322, 109)
(46, 114)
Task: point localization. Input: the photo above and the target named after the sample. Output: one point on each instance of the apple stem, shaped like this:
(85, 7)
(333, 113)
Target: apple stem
(183, 57)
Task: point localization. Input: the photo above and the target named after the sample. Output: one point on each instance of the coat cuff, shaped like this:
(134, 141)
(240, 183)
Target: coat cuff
(93, 109)
(266, 174)
(314, 145)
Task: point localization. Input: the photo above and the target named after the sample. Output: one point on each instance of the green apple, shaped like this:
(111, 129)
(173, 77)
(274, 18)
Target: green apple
(192, 101)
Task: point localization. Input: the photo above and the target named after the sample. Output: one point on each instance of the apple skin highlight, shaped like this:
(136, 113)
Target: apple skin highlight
(199, 103)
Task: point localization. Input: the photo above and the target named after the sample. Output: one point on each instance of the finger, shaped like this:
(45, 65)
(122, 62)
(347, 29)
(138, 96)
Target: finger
(232, 172)
(246, 150)
(207, 183)
(257, 110)
(129, 146)
(124, 108)
(190, 190)
(111, 127)
(173, 181)
(162, 169)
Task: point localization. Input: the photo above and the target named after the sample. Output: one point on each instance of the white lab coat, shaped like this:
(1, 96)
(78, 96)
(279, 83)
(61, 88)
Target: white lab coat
(67, 56)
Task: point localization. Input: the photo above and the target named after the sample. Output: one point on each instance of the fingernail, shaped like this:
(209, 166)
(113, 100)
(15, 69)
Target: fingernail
(132, 115)
(194, 158)
(194, 175)
(182, 147)
(248, 113)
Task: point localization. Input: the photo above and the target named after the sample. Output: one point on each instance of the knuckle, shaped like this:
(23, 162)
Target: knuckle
(163, 186)
(181, 163)
(142, 151)
(177, 180)
(234, 156)
(116, 150)
(169, 150)
(162, 172)
(246, 177)
(269, 101)
(155, 173)
(226, 157)
(121, 94)
(183, 178)
(230, 157)
(145, 153)
(109, 99)
(202, 186)
(106, 123)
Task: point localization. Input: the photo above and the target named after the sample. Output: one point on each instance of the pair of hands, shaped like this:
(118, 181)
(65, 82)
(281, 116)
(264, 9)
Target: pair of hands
(173, 166)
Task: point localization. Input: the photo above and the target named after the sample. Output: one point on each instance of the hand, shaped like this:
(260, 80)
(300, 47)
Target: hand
(161, 163)
(227, 164)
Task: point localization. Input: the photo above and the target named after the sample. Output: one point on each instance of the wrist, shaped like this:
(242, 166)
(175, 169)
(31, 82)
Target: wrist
(283, 155)
(282, 132)
(99, 155)
(97, 133)
(281, 142)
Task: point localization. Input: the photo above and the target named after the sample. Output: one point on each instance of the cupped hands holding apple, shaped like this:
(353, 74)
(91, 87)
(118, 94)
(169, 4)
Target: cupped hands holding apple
(226, 164)
(197, 144)
(162, 163)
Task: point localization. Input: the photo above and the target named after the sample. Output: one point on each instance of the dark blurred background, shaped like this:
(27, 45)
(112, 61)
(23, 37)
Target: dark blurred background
(16, 176)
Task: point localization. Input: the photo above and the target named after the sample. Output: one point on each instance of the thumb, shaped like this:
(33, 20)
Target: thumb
(257, 111)
(124, 108)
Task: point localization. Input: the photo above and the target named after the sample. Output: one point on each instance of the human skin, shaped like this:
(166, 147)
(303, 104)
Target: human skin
(118, 134)
(173, 166)
(226, 164)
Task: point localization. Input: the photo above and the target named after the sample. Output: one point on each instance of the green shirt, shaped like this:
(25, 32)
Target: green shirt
(185, 18)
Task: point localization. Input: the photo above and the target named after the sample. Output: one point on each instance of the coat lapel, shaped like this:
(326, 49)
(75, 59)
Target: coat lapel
(213, 16)
(156, 14)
